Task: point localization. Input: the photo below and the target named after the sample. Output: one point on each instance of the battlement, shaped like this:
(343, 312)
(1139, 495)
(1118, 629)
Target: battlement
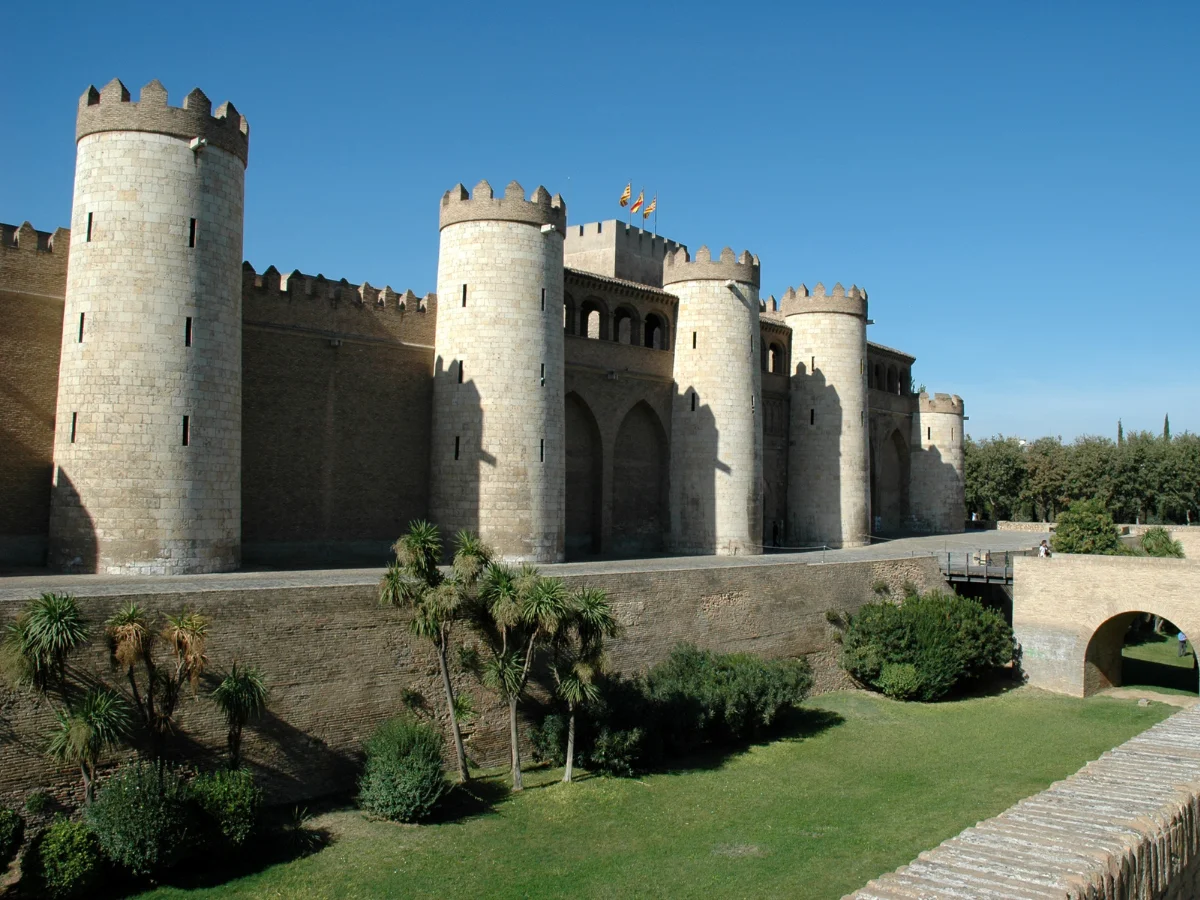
(110, 109)
(680, 266)
(941, 403)
(614, 249)
(34, 261)
(297, 285)
(798, 301)
(482, 205)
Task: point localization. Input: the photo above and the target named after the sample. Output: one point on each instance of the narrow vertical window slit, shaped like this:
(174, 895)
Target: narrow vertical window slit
(81, 315)
(187, 430)
(192, 233)
(88, 238)
(187, 332)
(74, 425)
(456, 446)
(464, 296)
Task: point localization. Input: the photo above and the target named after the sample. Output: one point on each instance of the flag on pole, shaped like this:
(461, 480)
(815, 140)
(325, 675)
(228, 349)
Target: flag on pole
(649, 209)
(626, 194)
(637, 204)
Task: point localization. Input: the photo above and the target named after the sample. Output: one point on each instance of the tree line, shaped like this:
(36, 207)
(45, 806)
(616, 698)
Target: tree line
(1140, 477)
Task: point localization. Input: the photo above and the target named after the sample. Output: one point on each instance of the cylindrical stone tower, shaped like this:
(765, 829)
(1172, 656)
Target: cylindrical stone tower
(936, 489)
(716, 419)
(147, 445)
(829, 455)
(498, 460)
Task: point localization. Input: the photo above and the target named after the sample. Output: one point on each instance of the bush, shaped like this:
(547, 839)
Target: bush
(12, 828)
(65, 861)
(1157, 541)
(229, 802)
(37, 803)
(1086, 527)
(926, 646)
(403, 778)
(143, 818)
(695, 697)
(704, 697)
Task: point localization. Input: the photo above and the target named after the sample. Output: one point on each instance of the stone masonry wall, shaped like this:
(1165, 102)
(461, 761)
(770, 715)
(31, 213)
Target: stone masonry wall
(33, 274)
(1125, 827)
(337, 664)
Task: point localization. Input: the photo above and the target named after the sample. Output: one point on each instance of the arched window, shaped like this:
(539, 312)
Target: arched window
(778, 363)
(656, 332)
(878, 383)
(627, 325)
(893, 382)
(593, 319)
(568, 314)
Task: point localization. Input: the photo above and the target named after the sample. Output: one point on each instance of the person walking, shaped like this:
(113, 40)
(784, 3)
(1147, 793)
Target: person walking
(1044, 550)
(1182, 644)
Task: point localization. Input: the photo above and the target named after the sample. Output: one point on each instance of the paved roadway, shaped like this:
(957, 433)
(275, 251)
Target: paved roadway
(20, 587)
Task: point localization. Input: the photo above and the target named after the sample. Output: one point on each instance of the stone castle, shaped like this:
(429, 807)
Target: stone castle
(570, 390)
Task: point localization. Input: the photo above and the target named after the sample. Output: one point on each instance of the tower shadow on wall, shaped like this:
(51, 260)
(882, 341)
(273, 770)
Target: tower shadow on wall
(696, 465)
(936, 503)
(27, 436)
(73, 544)
(815, 504)
(457, 458)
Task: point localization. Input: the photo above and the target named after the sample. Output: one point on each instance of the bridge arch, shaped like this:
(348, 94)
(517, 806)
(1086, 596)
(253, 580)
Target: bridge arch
(1071, 614)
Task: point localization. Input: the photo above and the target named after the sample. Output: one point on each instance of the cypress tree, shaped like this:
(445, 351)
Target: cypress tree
(1120, 432)
(1167, 427)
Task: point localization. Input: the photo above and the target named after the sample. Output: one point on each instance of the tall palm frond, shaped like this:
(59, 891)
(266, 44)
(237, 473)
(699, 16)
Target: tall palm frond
(47, 631)
(501, 595)
(505, 673)
(399, 588)
(593, 618)
(419, 551)
(544, 605)
(83, 733)
(471, 557)
(129, 635)
(187, 634)
(241, 695)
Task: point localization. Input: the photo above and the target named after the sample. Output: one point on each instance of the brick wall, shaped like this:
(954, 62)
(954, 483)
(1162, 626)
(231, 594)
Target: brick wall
(337, 663)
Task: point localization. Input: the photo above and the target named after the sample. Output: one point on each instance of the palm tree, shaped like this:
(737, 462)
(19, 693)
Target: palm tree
(45, 633)
(132, 640)
(85, 732)
(578, 653)
(518, 611)
(241, 696)
(414, 582)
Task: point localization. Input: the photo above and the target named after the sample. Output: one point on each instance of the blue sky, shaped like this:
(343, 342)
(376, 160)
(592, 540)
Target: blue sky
(1015, 184)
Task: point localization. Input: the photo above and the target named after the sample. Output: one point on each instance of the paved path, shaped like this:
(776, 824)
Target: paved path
(20, 587)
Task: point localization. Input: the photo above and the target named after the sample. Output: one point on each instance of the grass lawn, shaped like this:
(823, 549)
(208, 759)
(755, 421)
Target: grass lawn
(1155, 662)
(865, 787)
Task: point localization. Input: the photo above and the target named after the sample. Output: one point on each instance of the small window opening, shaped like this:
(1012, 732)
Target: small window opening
(929, 434)
(464, 296)
(81, 315)
(542, 451)
(88, 239)
(812, 417)
(862, 417)
(693, 340)
(693, 401)
(74, 425)
(752, 403)
(460, 371)
(543, 299)
(862, 368)
(543, 374)
(812, 367)
(192, 233)
(187, 430)
(456, 446)
(187, 332)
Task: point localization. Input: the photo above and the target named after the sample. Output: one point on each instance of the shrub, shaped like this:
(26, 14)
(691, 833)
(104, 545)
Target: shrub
(143, 818)
(704, 697)
(944, 638)
(403, 778)
(229, 802)
(64, 861)
(549, 739)
(1157, 541)
(1086, 527)
(12, 828)
(37, 803)
(618, 753)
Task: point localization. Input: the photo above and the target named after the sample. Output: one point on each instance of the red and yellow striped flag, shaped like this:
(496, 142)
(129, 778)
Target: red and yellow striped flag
(626, 194)
(649, 209)
(637, 204)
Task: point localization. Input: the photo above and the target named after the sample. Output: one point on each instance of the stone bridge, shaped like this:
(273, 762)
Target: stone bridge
(1071, 613)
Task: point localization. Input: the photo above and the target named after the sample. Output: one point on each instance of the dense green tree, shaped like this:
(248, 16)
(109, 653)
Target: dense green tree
(995, 476)
(1045, 481)
(1086, 527)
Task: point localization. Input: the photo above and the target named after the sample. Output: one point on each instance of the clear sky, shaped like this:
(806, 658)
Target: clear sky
(1015, 184)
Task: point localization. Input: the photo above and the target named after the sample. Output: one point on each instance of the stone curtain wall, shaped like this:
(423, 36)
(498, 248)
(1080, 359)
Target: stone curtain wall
(337, 664)
(1125, 826)
(1070, 613)
(33, 277)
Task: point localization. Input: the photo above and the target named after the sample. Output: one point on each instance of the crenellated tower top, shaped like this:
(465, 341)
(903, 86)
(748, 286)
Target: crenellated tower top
(680, 266)
(110, 109)
(482, 205)
(798, 301)
(941, 403)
